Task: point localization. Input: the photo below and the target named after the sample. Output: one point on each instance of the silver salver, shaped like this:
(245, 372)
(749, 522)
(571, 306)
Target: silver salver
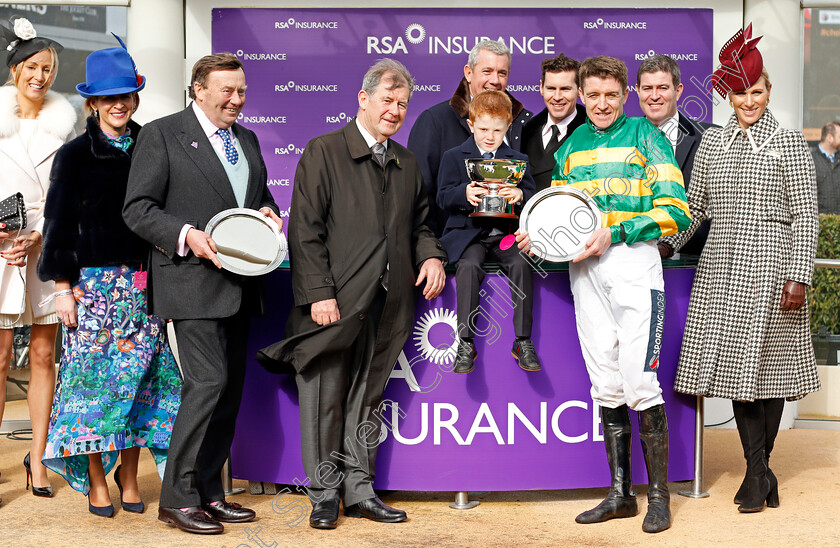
(247, 242)
(559, 220)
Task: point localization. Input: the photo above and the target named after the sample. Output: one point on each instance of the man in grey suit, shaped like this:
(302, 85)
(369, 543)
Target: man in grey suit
(187, 167)
(659, 88)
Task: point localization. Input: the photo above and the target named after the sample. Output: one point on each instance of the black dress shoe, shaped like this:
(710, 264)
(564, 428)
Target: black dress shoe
(324, 514)
(191, 520)
(465, 357)
(229, 512)
(523, 351)
(375, 510)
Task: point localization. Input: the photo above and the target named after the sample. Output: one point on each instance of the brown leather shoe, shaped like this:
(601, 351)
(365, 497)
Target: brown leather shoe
(229, 512)
(191, 520)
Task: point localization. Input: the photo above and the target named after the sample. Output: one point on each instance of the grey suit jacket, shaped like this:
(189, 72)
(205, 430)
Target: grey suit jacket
(176, 178)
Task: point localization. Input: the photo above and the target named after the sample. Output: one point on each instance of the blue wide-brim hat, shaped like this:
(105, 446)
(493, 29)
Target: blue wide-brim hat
(110, 71)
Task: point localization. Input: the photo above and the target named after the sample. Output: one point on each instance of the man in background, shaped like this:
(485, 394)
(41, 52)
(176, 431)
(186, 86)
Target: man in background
(444, 126)
(827, 164)
(659, 88)
(562, 114)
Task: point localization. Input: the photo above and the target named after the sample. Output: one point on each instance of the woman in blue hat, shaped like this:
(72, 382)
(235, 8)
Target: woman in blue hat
(34, 123)
(119, 387)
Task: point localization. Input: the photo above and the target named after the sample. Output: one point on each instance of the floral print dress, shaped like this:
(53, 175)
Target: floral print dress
(118, 383)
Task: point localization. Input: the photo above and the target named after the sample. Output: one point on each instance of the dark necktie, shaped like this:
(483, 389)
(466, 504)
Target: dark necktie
(230, 150)
(379, 153)
(487, 155)
(553, 141)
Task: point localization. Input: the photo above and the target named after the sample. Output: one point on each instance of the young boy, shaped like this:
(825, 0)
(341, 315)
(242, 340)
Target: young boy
(468, 240)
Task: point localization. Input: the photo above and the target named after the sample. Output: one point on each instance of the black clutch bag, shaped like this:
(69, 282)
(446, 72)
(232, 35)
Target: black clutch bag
(13, 213)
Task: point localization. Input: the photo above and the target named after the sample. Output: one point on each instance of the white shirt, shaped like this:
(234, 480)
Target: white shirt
(562, 127)
(210, 130)
(369, 139)
(671, 128)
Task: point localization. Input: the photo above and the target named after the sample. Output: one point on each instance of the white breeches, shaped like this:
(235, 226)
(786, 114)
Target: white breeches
(619, 308)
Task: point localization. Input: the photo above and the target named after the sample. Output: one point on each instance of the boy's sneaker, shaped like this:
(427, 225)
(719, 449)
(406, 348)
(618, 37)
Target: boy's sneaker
(465, 357)
(523, 351)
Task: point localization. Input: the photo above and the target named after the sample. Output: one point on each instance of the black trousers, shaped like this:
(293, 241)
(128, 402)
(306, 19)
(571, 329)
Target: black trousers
(339, 431)
(468, 277)
(212, 356)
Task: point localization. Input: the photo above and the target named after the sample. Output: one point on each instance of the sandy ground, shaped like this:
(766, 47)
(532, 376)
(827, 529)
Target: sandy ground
(807, 463)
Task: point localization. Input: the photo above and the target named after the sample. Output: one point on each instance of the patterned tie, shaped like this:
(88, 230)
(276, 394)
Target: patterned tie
(379, 153)
(230, 150)
(487, 155)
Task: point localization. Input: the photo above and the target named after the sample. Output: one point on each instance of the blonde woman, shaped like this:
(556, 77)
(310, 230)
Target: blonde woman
(34, 124)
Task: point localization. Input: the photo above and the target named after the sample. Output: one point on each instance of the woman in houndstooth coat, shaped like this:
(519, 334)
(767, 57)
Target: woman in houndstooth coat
(747, 335)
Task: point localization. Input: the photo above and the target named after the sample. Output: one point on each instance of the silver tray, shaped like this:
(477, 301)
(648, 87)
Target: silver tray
(559, 220)
(248, 242)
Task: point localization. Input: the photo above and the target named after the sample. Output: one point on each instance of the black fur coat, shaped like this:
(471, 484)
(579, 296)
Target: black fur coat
(83, 217)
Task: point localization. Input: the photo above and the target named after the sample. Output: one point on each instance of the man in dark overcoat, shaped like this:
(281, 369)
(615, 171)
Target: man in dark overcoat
(546, 131)
(444, 125)
(357, 239)
(188, 167)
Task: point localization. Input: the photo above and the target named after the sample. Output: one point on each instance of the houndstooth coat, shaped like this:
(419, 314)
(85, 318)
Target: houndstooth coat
(759, 189)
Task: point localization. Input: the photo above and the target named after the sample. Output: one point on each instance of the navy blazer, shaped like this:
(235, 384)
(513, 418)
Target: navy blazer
(461, 229)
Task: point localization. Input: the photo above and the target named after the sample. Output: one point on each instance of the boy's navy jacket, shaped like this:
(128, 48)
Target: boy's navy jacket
(461, 230)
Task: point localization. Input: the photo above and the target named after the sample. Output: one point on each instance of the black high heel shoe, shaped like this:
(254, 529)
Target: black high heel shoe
(37, 491)
(136, 507)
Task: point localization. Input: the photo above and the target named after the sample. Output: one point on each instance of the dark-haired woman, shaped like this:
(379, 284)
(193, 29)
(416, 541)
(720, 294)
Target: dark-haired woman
(119, 387)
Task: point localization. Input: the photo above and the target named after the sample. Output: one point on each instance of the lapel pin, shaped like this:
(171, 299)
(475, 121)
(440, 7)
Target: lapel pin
(194, 144)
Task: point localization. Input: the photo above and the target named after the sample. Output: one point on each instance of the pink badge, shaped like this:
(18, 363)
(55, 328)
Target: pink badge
(140, 280)
(507, 241)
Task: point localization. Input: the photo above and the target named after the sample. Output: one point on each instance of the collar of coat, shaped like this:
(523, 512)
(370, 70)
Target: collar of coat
(358, 148)
(101, 148)
(759, 134)
(461, 100)
(56, 117)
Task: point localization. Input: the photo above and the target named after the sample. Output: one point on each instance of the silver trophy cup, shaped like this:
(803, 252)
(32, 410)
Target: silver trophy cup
(493, 174)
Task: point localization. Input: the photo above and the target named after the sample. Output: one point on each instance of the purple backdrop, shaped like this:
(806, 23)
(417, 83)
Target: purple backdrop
(465, 432)
(305, 66)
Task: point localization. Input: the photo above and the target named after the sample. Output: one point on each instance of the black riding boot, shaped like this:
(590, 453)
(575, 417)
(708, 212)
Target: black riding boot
(653, 431)
(749, 416)
(620, 501)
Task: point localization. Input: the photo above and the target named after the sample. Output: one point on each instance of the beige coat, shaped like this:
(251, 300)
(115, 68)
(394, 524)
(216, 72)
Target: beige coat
(29, 174)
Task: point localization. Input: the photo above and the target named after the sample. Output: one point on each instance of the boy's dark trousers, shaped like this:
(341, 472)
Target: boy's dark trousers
(468, 277)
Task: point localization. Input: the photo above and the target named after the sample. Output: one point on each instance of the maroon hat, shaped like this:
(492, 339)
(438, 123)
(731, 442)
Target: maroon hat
(740, 63)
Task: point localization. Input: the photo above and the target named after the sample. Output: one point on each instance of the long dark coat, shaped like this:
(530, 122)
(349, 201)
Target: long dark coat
(758, 187)
(349, 219)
